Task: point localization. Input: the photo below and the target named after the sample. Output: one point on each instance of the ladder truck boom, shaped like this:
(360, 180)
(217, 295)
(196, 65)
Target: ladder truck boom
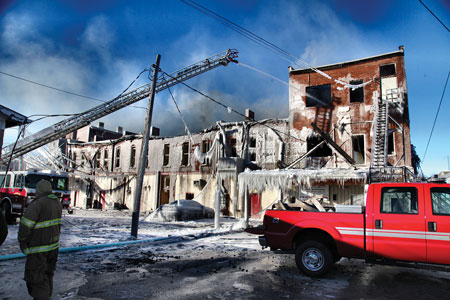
(66, 126)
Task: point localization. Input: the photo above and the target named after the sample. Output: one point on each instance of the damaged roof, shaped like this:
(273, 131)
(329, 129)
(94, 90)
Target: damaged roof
(12, 118)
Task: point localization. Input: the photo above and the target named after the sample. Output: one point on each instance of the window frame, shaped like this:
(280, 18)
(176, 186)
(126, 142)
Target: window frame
(309, 102)
(355, 93)
(432, 204)
(414, 196)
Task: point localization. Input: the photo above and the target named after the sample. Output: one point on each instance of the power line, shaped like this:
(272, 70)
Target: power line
(434, 15)
(435, 118)
(265, 43)
(71, 93)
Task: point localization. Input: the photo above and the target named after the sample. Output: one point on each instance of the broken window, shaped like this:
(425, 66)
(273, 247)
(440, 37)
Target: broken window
(117, 164)
(358, 149)
(387, 70)
(105, 159)
(322, 151)
(206, 146)
(252, 143)
(97, 159)
(318, 96)
(185, 155)
(74, 160)
(166, 155)
(232, 147)
(133, 156)
(391, 148)
(356, 95)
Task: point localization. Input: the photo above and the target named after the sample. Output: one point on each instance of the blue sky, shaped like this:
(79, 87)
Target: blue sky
(96, 48)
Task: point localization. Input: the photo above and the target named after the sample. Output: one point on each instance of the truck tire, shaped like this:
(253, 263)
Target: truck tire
(313, 258)
(6, 208)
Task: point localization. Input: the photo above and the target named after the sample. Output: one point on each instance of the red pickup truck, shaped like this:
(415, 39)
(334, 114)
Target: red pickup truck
(400, 222)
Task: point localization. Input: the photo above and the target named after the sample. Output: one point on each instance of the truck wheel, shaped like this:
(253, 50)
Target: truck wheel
(313, 258)
(6, 208)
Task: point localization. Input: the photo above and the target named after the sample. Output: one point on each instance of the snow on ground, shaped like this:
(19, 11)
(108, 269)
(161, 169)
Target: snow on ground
(94, 227)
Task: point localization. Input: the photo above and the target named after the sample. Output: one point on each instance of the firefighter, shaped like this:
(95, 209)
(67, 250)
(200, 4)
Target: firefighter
(38, 236)
(3, 227)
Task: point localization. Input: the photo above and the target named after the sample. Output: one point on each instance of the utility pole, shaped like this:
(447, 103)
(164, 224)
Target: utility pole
(144, 151)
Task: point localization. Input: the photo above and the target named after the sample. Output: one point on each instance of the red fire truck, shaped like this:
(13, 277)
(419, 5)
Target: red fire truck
(17, 190)
(401, 222)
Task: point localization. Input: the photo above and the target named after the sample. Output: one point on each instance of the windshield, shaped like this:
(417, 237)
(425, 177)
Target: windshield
(58, 183)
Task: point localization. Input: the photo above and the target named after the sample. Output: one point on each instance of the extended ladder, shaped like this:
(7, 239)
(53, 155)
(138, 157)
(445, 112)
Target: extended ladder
(64, 127)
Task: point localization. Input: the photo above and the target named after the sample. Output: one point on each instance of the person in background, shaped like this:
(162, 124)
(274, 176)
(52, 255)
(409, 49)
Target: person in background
(38, 236)
(3, 227)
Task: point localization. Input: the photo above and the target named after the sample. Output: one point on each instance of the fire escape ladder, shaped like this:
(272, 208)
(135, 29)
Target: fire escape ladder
(380, 140)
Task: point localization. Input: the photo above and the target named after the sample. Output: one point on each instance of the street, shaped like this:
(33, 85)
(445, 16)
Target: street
(228, 265)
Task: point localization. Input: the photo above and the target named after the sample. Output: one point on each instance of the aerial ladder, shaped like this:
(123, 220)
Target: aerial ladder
(66, 126)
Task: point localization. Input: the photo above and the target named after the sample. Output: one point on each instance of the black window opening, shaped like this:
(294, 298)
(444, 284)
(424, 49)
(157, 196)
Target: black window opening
(253, 157)
(74, 160)
(387, 70)
(318, 96)
(185, 157)
(166, 154)
(189, 196)
(321, 151)
(233, 151)
(391, 144)
(356, 95)
(358, 149)
(252, 143)
(440, 200)
(399, 200)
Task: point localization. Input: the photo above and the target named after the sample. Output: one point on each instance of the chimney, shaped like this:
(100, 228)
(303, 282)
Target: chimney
(154, 131)
(119, 129)
(101, 125)
(249, 115)
(401, 48)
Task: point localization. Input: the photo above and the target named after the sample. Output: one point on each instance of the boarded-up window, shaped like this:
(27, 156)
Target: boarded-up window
(133, 156)
(166, 154)
(358, 149)
(185, 157)
(318, 96)
(356, 95)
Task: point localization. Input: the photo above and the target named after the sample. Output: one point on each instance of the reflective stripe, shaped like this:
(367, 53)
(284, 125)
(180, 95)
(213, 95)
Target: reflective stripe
(52, 196)
(441, 236)
(27, 222)
(48, 223)
(40, 249)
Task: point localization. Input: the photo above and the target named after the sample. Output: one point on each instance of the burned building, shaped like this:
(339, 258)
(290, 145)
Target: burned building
(348, 125)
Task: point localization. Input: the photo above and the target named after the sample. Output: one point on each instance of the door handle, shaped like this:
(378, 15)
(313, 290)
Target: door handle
(378, 224)
(432, 226)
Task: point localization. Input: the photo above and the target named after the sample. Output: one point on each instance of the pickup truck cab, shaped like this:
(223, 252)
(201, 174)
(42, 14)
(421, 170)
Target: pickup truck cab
(400, 222)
